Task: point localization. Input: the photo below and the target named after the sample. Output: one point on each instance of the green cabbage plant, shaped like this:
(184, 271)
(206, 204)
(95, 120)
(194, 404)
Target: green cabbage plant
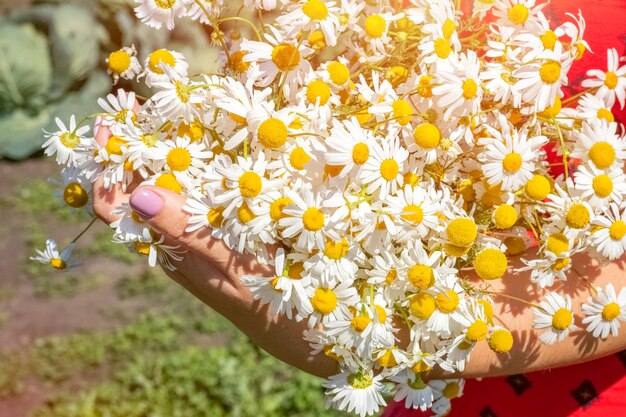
(49, 60)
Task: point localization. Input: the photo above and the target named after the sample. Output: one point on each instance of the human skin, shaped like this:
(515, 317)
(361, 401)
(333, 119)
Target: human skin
(211, 272)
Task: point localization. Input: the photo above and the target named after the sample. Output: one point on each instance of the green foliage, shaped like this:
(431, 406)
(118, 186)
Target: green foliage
(36, 197)
(150, 282)
(102, 245)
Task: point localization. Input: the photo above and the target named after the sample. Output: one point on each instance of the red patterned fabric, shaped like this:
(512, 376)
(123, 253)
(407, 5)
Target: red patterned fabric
(592, 389)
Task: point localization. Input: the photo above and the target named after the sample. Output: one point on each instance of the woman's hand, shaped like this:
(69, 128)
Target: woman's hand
(211, 271)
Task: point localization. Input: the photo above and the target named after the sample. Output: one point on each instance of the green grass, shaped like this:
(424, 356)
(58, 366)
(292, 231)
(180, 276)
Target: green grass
(37, 197)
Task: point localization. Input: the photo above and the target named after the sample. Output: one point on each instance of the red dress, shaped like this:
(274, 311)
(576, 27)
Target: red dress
(592, 389)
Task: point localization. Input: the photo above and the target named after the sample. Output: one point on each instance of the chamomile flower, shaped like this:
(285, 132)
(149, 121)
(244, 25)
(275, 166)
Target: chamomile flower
(312, 14)
(358, 392)
(516, 12)
(611, 84)
(157, 13)
(65, 142)
(331, 303)
(383, 170)
(120, 107)
(413, 390)
(599, 142)
(180, 155)
(555, 315)
(129, 227)
(51, 255)
(75, 188)
(376, 28)
(413, 211)
(123, 63)
(349, 146)
(610, 236)
(460, 91)
(603, 313)
(600, 187)
(158, 252)
(153, 66)
(444, 391)
(591, 107)
(177, 97)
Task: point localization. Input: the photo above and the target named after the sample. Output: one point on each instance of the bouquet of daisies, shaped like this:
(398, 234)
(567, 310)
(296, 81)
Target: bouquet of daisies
(397, 156)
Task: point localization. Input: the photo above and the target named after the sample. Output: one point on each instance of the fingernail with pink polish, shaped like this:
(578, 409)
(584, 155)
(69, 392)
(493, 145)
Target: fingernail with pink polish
(146, 203)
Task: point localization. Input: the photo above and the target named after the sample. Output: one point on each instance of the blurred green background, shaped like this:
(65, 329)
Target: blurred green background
(111, 338)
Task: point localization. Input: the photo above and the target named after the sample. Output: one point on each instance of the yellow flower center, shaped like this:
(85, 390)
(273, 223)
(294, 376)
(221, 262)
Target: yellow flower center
(313, 219)
(421, 276)
(375, 26)
(360, 153)
(424, 87)
(318, 89)
(360, 380)
(577, 216)
(286, 56)
(169, 182)
(315, 9)
(470, 88)
(420, 367)
(602, 185)
(548, 39)
(518, 14)
(505, 216)
(451, 390)
(387, 360)
(381, 314)
(550, 72)
(298, 158)
(389, 169)
(501, 341)
(58, 263)
(324, 301)
(160, 56)
(562, 319)
(277, 206)
(215, 217)
(555, 108)
(119, 61)
(617, 230)
(336, 250)
(606, 115)
(178, 159)
(360, 323)
(237, 63)
(114, 145)
(477, 331)
(611, 311)
(538, 187)
(69, 140)
(245, 214)
(602, 154)
(402, 111)
(611, 80)
(410, 178)
(490, 263)
(316, 39)
(462, 232)
(250, 184)
(149, 140)
(422, 305)
(338, 72)
(413, 214)
(427, 136)
(447, 302)
(165, 4)
(295, 270)
(448, 28)
(333, 170)
(142, 248)
(442, 48)
(557, 243)
(560, 264)
(272, 133)
(512, 162)
(75, 195)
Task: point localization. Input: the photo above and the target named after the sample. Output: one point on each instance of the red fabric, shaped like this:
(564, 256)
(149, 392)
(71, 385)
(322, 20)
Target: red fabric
(592, 389)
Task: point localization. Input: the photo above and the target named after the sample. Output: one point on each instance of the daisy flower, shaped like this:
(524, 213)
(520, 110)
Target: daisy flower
(65, 142)
(603, 313)
(384, 168)
(120, 108)
(542, 75)
(156, 13)
(555, 315)
(158, 252)
(331, 304)
(411, 388)
(449, 297)
(75, 188)
(310, 15)
(413, 211)
(509, 160)
(311, 217)
(153, 66)
(358, 392)
(123, 63)
(600, 187)
(129, 227)
(592, 107)
(177, 97)
(460, 91)
(611, 84)
(348, 146)
(51, 255)
(599, 142)
(516, 12)
(444, 391)
(376, 28)
(337, 262)
(568, 210)
(610, 238)
(180, 155)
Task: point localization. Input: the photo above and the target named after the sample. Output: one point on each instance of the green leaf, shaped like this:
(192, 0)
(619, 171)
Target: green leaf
(25, 70)
(21, 133)
(74, 40)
